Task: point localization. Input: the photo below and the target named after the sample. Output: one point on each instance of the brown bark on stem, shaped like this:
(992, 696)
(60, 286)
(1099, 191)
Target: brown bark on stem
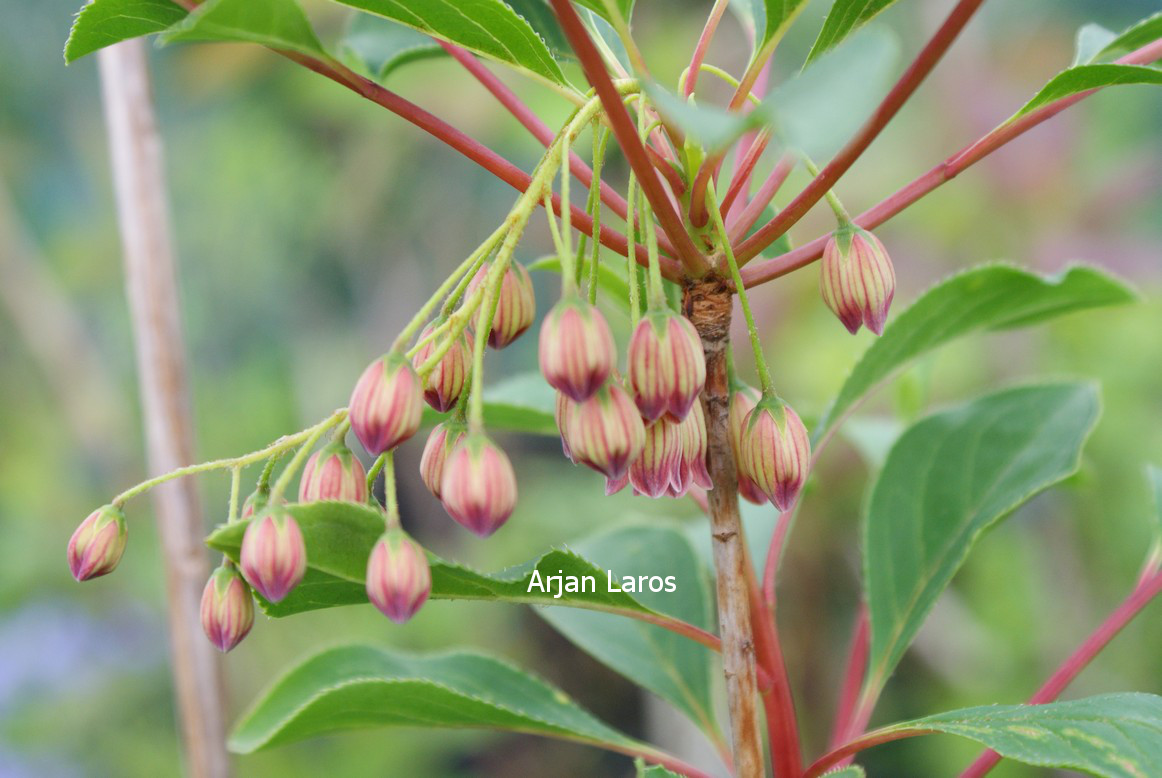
(151, 283)
(708, 305)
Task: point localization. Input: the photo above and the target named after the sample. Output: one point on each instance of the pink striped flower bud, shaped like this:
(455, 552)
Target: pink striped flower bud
(274, 555)
(652, 473)
(577, 353)
(441, 441)
(667, 367)
(398, 577)
(856, 279)
(227, 608)
(776, 451)
(742, 401)
(98, 543)
(386, 404)
(606, 431)
(333, 473)
(479, 487)
(564, 416)
(443, 386)
(691, 469)
(515, 307)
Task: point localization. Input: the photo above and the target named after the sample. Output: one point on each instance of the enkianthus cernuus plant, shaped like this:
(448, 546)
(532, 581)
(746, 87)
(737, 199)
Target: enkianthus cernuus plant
(666, 210)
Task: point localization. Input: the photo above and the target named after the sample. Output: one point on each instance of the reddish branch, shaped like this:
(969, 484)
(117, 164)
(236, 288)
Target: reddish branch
(627, 138)
(754, 209)
(899, 94)
(744, 169)
(702, 45)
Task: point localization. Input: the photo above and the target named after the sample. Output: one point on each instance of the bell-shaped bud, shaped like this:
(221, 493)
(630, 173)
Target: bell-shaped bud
(577, 353)
(274, 555)
(443, 386)
(606, 431)
(98, 543)
(691, 469)
(856, 279)
(441, 441)
(386, 404)
(227, 608)
(776, 452)
(398, 577)
(516, 304)
(564, 417)
(479, 487)
(667, 367)
(653, 472)
(333, 473)
(742, 401)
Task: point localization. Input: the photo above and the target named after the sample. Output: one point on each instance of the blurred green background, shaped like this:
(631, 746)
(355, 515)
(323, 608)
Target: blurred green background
(309, 222)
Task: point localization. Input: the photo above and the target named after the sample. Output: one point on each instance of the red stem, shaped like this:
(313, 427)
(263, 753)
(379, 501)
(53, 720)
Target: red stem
(819, 186)
(744, 169)
(945, 171)
(704, 44)
(775, 552)
(754, 209)
(627, 138)
(1146, 590)
(841, 731)
(833, 758)
(747, 141)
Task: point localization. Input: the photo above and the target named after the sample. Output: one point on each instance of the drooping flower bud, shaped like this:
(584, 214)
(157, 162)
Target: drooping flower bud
(856, 279)
(398, 577)
(274, 555)
(479, 487)
(333, 473)
(606, 431)
(442, 386)
(227, 608)
(515, 307)
(667, 367)
(776, 451)
(577, 353)
(98, 543)
(441, 441)
(742, 401)
(386, 404)
(691, 468)
(652, 473)
(564, 417)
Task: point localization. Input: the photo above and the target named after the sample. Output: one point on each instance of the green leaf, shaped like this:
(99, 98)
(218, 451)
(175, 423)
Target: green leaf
(487, 27)
(948, 479)
(1091, 41)
(777, 17)
(855, 771)
(601, 8)
(356, 687)
(671, 666)
(539, 14)
(611, 278)
(1082, 78)
(845, 17)
(376, 47)
(1110, 735)
(102, 23)
(279, 24)
(520, 403)
(989, 297)
(339, 537)
(1133, 37)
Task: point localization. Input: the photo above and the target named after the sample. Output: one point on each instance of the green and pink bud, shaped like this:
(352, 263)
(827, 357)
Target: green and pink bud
(516, 304)
(691, 469)
(443, 386)
(856, 279)
(564, 417)
(333, 473)
(776, 451)
(274, 555)
(398, 577)
(742, 402)
(386, 404)
(227, 608)
(441, 441)
(479, 486)
(98, 543)
(577, 353)
(606, 431)
(653, 472)
(667, 367)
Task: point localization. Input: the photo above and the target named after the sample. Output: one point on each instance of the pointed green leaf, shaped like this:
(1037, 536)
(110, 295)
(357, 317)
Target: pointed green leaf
(844, 18)
(376, 46)
(777, 17)
(1091, 41)
(1082, 78)
(1133, 37)
(356, 687)
(279, 24)
(102, 23)
(671, 666)
(1110, 735)
(947, 480)
(623, 8)
(487, 27)
(989, 297)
